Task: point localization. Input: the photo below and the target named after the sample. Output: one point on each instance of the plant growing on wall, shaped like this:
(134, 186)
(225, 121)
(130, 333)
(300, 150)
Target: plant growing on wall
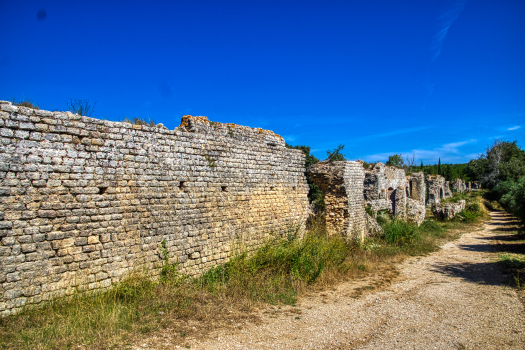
(81, 107)
(336, 155)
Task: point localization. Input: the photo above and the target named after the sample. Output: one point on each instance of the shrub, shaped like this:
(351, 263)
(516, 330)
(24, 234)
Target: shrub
(514, 200)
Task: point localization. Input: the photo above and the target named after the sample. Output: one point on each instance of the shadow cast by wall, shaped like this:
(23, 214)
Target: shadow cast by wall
(489, 273)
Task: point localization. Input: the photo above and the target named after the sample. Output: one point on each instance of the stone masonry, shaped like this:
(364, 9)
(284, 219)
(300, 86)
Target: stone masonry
(85, 202)
(342, 186)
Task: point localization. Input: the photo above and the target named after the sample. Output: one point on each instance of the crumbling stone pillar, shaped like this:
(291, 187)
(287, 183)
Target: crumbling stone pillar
(400, 204)
(342, 187)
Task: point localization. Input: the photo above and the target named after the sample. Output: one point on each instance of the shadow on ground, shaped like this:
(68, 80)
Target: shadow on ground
(483, 273)
(496, 272)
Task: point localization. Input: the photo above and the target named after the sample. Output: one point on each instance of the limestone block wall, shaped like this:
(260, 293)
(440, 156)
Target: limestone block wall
(342, 184)
(84, 202)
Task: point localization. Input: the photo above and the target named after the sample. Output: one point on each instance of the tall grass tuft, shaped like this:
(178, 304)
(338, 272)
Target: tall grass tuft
(276, 271)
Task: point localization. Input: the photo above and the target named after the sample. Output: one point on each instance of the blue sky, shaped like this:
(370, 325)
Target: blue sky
(441, 79)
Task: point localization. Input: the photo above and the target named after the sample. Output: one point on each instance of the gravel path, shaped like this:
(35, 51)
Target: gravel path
(451, 299)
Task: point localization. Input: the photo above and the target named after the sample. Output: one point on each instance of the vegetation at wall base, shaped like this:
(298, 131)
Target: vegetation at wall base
(277, 273)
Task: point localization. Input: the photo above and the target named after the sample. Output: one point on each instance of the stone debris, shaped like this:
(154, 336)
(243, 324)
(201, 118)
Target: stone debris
(447, 211)
(85, 202)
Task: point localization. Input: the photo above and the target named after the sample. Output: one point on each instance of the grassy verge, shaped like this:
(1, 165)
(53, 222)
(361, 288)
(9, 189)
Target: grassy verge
(278, 273)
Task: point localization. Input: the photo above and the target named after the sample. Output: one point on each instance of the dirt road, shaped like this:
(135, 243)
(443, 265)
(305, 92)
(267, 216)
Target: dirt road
(451, 299)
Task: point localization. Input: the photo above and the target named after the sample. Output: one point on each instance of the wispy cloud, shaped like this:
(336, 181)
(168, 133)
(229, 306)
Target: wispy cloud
(515, 127)
(445, 21)
(449, 152)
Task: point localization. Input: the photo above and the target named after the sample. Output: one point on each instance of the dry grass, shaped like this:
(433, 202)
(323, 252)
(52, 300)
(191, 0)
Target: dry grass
(278, 273)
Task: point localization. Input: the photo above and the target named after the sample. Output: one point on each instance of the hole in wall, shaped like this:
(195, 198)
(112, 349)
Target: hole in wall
(272, 188)
(224, 189)
(294, 188)
(181, 184)
(102, 190)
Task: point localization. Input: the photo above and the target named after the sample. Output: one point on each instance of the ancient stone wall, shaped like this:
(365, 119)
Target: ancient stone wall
(84, 202)
(342, 187)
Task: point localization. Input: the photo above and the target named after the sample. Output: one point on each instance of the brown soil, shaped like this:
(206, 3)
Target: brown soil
(452, 299)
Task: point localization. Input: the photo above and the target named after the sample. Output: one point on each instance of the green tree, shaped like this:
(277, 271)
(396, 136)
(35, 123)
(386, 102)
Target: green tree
(395, 160)
(336, 154)
(439, 167)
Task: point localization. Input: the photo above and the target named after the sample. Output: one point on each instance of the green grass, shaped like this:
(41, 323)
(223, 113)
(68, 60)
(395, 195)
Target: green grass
(277, 273)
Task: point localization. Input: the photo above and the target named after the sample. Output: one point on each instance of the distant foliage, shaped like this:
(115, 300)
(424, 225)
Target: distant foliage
(81, 107)
(336, 155)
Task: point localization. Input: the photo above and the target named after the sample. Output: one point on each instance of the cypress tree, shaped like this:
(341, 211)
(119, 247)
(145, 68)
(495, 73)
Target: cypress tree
(439, 167)
(421, 165)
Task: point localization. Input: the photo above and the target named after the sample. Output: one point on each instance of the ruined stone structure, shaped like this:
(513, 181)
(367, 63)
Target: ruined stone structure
(381, 183)
(84, 202)
(446, 211)
(342, 187)
(459, 185)
(436, 189)
(417, 187)
(388, 188)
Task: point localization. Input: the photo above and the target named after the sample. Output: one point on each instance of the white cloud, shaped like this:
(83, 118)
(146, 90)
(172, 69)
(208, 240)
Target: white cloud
(448, 153)
(446, 21)
(515, 127)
